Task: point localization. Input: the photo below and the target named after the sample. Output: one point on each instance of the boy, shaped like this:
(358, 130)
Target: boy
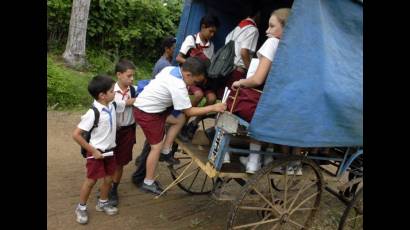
(200, 45)
(102, 140)
(168, 46)
(154, 104)
(125, 137)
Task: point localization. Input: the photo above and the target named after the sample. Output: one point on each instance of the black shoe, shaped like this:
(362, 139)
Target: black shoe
(153, 188)
(113, 198)
(169, 159)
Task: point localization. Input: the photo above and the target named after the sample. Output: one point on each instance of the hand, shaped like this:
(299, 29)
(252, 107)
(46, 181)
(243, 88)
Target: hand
(236, 85)
(129, 101)
(97, 154)
(219, 107)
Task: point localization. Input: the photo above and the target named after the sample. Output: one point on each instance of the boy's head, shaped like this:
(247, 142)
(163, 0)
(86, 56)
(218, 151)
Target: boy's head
(101, 88)
(277, 22)
(208, 26)
(255, 12)
(124, 70)
(193, 71)
(168, 45)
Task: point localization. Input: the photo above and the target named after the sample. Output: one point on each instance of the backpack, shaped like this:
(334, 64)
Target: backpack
(87, 135)
(141, 85)
(133, 92)
(222, 63)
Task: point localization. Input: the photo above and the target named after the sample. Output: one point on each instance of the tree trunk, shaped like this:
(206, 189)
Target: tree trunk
(74, 54)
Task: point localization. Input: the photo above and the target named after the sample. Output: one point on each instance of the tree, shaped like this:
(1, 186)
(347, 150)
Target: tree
(74, 54)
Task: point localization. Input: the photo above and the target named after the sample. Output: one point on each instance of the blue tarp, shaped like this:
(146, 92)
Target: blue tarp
(313, 95)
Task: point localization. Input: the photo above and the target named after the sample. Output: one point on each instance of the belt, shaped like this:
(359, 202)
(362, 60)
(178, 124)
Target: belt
(107, 150)
(133, 125)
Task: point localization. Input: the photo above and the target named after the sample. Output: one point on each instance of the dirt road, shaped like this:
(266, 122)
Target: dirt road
(137, 210)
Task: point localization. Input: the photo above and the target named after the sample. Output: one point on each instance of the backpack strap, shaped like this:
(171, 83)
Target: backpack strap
(96, 118)
(132, 91)
(115, 105)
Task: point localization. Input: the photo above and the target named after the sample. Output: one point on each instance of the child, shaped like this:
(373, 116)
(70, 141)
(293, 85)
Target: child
(266, 55)
(125, 137)
(154, 104)
(200, 45)
(102, 140)
(168, 46)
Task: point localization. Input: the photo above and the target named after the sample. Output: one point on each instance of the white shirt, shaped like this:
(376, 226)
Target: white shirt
(245, 38)
(103, 136)
(190, 43)
(123, 118)
(268, 49)
(167, 89)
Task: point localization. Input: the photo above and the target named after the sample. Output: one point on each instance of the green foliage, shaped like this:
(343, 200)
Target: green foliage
(126, 28)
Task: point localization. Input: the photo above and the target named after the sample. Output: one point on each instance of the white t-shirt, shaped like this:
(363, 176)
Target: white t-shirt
(123, 118)
(245, 38)
(167, 89)
(268, 49)
(190, 43)
(103, 136)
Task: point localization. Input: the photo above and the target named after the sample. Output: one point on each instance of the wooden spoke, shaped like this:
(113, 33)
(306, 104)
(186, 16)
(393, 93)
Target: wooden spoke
(304, 201)
(257, 223)
(267, 201)
(299, 192)
(196, 174)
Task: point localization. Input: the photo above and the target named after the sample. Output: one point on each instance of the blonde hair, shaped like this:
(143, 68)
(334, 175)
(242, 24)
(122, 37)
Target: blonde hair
(282, 14)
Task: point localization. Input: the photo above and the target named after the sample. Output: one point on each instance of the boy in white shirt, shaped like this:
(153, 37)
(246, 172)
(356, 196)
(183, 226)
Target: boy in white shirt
(152, 108)
(125, 137)
(102, 140)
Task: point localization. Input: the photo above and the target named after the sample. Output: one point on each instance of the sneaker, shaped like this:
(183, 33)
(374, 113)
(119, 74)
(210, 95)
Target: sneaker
(227, 159)
(252, 167)
(298, 170)
(278, 169)
(113, 198)
(106, 207)
(169, 159)
(289, 170)
(153, 188)
(82, 215)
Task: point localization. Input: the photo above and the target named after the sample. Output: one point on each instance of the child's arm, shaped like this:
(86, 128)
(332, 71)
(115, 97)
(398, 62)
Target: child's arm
(196, 111)
(129, 101)
(180, 59)
(258, 78)
(246, 57)
(83, 143)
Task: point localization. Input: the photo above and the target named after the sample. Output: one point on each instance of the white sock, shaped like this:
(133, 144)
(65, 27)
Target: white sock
(148, 182)
(165, 151)
(82, 207)
(102, 201)
(254, 157)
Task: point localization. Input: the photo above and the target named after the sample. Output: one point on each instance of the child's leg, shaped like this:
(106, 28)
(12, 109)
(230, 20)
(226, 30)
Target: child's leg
(105, 187)
(210, 98)
(152, 160)
(173, 130)
(116, 178)
(198, 95)
(86, 187)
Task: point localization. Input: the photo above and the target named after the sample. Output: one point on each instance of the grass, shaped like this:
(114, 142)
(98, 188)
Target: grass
(67, 88)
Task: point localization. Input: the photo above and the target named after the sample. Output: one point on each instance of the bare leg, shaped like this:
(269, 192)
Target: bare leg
(86, 189)
(116, 178)
(173, 130)
(198, 95)
(105, 187)
(152, 160)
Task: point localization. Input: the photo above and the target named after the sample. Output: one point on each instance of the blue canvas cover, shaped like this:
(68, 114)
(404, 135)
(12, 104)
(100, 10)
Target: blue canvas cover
(313, 95)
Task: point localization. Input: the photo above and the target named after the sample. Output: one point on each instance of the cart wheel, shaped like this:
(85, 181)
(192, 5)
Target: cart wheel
(260, 206)
(352, 217)
(198, 183)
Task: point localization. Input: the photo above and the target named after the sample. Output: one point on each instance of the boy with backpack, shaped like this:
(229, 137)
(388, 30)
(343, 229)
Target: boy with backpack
(125, 138)
(102, 142)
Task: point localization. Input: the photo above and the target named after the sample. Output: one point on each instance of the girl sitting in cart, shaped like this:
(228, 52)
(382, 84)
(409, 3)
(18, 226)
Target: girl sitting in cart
(252, 86)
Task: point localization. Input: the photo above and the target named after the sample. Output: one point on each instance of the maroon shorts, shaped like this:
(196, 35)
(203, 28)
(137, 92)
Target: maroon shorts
(235, 76)
(152, 124)
(192, 89)
(101, 168)
(125, 140)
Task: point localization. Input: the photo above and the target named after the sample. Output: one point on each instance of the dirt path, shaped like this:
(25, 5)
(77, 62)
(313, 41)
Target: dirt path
(137, 210)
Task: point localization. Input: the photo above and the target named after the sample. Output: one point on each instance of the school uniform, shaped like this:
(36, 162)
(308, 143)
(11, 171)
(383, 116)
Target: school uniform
(245, 36)
(125, 137)
(102, 138)
(165, 93)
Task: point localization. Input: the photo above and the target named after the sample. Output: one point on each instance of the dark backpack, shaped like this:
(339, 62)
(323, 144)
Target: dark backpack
(87, 135)
(222, 63)
(133, 92)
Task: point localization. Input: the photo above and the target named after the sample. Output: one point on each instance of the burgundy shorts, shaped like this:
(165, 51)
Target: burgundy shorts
(235, 76)
(125, 140)
(152, 124)
(192, 89)
(101, 168)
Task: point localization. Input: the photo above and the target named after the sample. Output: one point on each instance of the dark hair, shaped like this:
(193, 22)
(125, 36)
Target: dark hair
(168, 42)
(99, 84)
(255, 9)
(209, 21)
(195, 66)
(123, 65)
